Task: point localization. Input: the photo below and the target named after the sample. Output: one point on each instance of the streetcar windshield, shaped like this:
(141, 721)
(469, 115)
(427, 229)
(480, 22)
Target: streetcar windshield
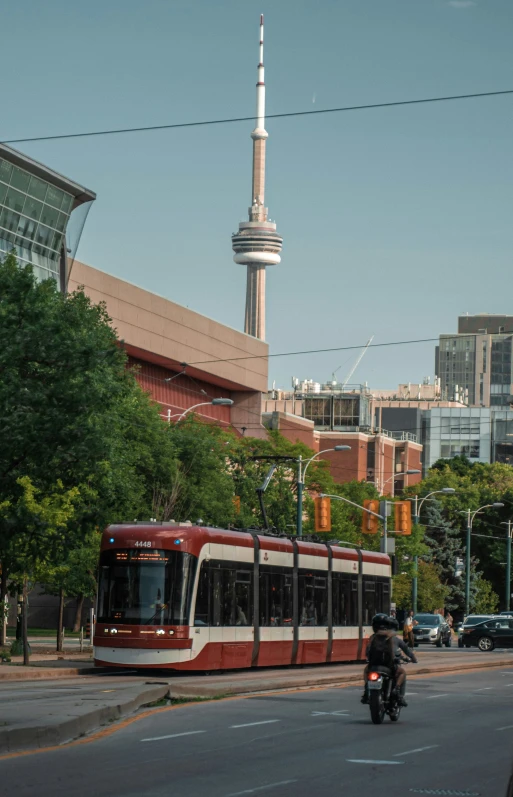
(145, 586)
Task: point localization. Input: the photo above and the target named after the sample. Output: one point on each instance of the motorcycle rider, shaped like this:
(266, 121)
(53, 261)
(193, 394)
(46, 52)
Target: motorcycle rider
(384, 626)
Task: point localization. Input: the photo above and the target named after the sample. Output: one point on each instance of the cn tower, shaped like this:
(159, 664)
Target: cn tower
(257, 244)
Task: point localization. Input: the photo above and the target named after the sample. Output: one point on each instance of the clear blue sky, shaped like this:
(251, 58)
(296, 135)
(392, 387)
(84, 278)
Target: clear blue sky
(394, 221)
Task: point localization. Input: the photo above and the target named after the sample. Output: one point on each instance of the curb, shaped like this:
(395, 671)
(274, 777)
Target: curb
(185, 691)
(19, 739)
(47, 674)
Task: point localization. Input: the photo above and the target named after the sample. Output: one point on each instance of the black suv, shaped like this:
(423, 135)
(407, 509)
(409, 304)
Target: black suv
(432, 629)
(494, 633)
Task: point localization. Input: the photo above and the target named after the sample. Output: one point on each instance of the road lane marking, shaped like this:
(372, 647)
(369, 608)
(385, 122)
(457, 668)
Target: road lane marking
(432, 697)
(340, 713)
(250, 724)
(504, 728)
(370, 761)
(260, 788)
(417, 750)
(484, 688)
(409, 694)
(170, 736)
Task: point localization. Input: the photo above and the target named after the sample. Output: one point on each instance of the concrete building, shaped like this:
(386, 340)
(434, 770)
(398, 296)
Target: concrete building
(42, 215)
(376, 457)
(475, 365)
(202, 358)
(257, 244)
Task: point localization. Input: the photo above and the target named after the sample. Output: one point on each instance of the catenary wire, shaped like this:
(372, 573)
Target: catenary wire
(338, 348)
(230, 120)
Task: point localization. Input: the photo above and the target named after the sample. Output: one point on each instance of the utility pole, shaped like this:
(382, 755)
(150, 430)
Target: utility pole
(508, 524)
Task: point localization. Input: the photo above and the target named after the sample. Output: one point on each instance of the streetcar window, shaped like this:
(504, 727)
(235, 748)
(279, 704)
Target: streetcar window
(275, 596)
(224, 594)
(145, 587)
(313, 599)
(370, 607)
(342, 604)
(201, 613)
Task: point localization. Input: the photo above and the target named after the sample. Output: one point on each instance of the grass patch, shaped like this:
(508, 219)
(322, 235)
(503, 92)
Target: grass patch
(45, 632)
(164, 701)
(180, 701)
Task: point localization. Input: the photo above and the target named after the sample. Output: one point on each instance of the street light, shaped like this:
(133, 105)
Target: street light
(215, 402)
(301, 473)
(470, 520)
(416, 516)
(401, 475)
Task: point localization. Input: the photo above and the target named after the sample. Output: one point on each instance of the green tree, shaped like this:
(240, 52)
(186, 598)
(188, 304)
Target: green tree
(432, 594)
(44, 519)
(75, 576)
(445, 546)
(486, 600)
(71, 414)
(475, 484)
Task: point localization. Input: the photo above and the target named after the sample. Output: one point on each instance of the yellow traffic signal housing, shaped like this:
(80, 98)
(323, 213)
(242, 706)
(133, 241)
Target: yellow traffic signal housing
(402, 512)
(322, 520)
(236, 504)
(370, 523)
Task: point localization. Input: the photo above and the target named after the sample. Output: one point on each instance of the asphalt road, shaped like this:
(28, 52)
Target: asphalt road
(456, 734)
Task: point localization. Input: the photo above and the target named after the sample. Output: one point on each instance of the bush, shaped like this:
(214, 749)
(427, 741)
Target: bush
(5, 655)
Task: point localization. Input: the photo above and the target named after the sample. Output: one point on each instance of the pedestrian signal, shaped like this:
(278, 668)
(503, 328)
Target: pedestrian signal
(370, 523)
(402, 511)
(322, 521)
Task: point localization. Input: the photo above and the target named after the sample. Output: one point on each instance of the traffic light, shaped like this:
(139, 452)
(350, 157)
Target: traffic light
(236, 504)
(402, 512)
(370, 523)
(322, 521)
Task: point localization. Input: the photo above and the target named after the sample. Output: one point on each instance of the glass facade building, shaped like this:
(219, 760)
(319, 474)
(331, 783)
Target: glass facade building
(482, 434)
(475, 366)
(35, 208)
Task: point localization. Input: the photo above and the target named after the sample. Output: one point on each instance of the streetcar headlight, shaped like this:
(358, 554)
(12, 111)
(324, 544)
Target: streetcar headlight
(160, 632)
(171, 632)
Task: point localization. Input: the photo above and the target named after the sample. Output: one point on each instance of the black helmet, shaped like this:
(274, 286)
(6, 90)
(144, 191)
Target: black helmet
(380, 622)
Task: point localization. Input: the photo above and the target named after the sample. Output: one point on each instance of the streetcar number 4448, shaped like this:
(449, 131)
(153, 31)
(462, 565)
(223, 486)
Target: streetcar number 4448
(143, 544)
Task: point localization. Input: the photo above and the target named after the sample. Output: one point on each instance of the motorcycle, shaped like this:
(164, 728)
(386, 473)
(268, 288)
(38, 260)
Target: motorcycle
(382, 699)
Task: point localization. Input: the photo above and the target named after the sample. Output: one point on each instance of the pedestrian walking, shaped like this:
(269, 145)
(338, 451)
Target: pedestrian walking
(408, 629)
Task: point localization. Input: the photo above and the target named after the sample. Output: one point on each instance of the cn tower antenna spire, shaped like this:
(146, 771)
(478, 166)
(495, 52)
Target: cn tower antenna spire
(257, 245)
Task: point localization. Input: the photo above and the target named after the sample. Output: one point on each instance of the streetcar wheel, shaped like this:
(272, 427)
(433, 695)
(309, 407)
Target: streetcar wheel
(377, 706)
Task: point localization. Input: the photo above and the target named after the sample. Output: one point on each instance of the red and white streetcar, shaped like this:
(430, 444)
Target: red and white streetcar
(186, 597)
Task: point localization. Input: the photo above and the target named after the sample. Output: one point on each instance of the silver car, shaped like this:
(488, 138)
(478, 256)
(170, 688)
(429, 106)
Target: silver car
(432, 629)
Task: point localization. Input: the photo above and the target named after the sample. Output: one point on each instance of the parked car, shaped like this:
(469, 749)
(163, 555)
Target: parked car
(469, 622)
(496, 632)
(432, 629)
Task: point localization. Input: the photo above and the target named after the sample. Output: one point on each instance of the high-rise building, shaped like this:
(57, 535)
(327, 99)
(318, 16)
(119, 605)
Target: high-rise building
(36, 204)
(475, 365)
(257, 244)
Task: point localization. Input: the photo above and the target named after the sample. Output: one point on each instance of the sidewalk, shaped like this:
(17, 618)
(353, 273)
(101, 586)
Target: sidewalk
(36, 715)
(53, 705)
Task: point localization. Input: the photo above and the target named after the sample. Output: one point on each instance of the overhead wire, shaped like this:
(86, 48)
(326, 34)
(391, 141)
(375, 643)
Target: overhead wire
(231, 120)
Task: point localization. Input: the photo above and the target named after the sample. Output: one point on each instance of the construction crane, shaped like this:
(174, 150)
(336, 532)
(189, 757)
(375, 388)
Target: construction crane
(358, 361)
